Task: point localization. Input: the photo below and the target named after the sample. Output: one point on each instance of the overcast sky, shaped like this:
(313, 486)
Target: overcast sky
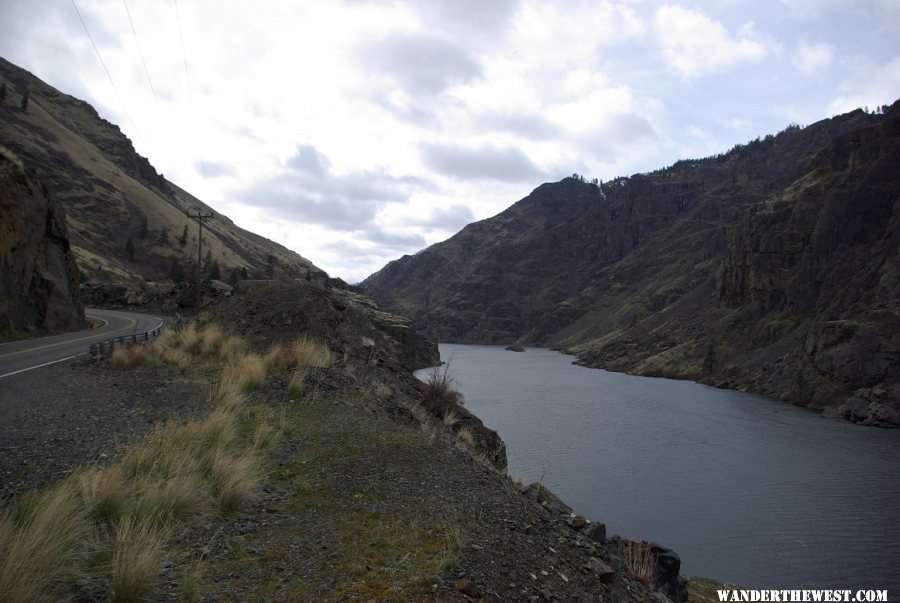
(356, 131)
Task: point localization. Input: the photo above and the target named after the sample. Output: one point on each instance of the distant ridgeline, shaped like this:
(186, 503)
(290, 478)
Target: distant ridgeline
(773, 267)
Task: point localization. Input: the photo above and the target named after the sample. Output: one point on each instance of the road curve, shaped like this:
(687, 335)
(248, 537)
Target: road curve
(20, 356)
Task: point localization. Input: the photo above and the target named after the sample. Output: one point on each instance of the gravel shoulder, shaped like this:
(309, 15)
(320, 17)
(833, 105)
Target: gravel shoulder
(67, 415)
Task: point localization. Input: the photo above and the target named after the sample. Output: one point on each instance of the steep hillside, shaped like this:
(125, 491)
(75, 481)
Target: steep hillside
(127, 222)
(771, 267)
(38, 276)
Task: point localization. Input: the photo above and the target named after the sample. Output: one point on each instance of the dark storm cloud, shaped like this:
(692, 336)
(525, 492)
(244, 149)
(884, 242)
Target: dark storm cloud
(306, 190)
(480, 163)
(420, 63)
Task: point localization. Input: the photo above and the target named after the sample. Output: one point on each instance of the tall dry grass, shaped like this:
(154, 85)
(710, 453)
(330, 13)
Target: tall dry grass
(138, 555)
(179, 470)
(640, 562)
(41, 542)
(310, 353)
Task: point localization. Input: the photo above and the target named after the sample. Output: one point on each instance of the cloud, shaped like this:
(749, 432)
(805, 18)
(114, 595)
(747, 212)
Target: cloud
(813, 58)
(419, 63)
(870, 86)
(401, 241)
(308, 191)
(694, 44)
(533, 126)
(617, 132)
(213, 169)
(469, 17)
(451, 218)
(308, 160)
(479, 163)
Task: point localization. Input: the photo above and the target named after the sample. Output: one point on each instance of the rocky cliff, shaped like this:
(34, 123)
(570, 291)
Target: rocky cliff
(772, 267)
(38, 276)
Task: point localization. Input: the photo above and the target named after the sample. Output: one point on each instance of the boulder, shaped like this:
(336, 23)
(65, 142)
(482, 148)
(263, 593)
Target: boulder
(544, 497)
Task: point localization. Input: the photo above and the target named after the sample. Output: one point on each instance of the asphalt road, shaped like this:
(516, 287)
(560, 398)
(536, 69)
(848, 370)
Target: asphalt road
(20, 356)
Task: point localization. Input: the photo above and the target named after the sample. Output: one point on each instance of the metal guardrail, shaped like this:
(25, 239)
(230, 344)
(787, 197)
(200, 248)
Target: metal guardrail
(107, 346)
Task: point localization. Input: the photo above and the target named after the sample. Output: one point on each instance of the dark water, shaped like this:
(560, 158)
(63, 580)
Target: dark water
(745, 488)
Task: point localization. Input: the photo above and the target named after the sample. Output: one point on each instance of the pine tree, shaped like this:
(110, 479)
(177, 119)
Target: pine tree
(176, 272)
(3, 91)
(24, 103)
(129, 250)
(214, 272)
(184, 236)
(144, 230)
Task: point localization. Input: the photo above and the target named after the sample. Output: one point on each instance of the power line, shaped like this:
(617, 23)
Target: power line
(140, 50)
(108, 76)
(187, 74)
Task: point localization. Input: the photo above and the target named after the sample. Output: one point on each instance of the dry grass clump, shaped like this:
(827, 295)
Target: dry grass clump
(103, 492)
(466, 436)
(137, 560)
(211, 338)
(639, 561)
(40, 543)
(127, 357)
(232, 347)
(309, 352)
(245, 373)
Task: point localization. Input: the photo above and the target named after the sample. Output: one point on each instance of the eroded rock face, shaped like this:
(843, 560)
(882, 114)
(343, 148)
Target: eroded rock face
(38, 275)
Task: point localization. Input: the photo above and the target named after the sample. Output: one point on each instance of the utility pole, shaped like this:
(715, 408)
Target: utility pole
(197, 214)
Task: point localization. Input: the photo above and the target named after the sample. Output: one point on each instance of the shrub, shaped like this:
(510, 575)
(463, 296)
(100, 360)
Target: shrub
(440, 395)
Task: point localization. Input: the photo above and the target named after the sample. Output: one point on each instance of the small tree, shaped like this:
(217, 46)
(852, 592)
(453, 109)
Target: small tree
(3, 91)
(214, 272)
(164, 235)
(144, 230)
(176, 272)
(129, 249)
(207, 261)
(24, 103)
(184, 236)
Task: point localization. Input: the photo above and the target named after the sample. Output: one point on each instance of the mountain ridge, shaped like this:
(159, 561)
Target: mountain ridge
(127, 223)
(634, 274)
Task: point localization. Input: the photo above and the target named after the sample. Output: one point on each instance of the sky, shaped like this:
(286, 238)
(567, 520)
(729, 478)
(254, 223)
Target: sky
(357, 131)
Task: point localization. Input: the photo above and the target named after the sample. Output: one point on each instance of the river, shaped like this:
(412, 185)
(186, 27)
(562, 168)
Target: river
(745, 488)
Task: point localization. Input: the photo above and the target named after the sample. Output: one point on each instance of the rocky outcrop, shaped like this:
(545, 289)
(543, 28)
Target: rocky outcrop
(773, 267)
(38, 277)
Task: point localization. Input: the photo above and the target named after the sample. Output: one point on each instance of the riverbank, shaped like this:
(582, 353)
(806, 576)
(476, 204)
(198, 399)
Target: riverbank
(745, 488)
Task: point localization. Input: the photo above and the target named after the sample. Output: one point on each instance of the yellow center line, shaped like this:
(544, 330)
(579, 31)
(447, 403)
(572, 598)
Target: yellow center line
(68, 341)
